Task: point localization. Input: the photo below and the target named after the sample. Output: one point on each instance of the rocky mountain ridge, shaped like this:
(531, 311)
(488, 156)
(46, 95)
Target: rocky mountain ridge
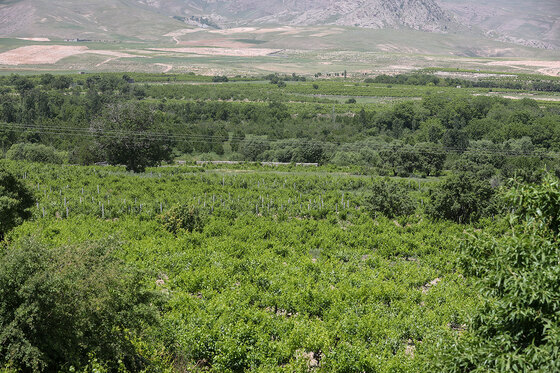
(534, 23)
(424, 15)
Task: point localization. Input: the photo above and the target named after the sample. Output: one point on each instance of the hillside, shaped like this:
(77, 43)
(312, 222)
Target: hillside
(247, 36)
(531, 23)
(94, 19)
(534, 24)
(415, 14)
(140, 18)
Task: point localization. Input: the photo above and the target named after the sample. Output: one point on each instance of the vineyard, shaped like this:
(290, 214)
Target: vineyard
(289, 272)
(279, 223)
(109, 192)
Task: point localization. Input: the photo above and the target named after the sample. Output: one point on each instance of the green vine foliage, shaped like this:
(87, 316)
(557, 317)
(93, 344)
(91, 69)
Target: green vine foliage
(289, 272)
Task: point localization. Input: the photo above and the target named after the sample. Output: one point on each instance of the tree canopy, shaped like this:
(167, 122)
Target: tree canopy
(129, 134)
(15, 202)
(516, 329)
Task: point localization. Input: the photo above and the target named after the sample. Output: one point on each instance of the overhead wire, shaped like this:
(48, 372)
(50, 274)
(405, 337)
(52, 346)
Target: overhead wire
(203, 138)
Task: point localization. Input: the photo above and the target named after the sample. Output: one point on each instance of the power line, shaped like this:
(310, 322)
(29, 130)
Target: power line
(200, 138)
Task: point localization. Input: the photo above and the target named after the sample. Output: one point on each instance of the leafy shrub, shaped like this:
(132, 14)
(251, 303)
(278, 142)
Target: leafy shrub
(85, 153)
(182, 217)
(298, 150)
(220, 79)
(389, 198)
(253, 148)
(35, 153)
(517, 327)
(462, 198)
(59, 306)
(15, 201)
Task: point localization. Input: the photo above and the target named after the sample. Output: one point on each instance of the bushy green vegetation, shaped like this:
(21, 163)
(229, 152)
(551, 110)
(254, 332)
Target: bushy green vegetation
(182, 217)
(36, 153)
(274, 268)
(516, 327)
(389, 198)
(288, 271)
(463, 198)
(15, 202)
(303, 122)
(536, 84)
(127, 134)
(61, 305)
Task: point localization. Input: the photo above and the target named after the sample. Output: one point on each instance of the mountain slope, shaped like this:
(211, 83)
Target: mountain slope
(415, 14)
(528, 22)
(143, 19)
(88, 19)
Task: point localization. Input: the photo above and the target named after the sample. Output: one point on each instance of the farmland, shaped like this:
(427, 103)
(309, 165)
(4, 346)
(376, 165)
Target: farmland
(369, 258)
(264, 50)
(289, 270)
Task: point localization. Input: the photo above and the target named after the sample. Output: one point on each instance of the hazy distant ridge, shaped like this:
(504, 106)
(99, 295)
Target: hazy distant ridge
(533, 23)
(415, 14)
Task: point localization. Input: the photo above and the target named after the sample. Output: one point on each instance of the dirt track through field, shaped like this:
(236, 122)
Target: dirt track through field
(167, 67)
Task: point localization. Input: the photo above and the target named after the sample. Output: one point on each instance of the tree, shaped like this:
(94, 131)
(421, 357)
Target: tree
(517, 328)
(252, 148)
(430, 130)
(129, 134)
(22, 84)
(220, 79)
(236, 139)
(461, 197)
(388, 198)
(15, 202)
(456, 140)
(431, 158)
(309, 151)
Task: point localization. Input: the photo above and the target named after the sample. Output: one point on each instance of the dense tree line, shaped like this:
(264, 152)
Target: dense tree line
(411, 137)
(431, 79)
